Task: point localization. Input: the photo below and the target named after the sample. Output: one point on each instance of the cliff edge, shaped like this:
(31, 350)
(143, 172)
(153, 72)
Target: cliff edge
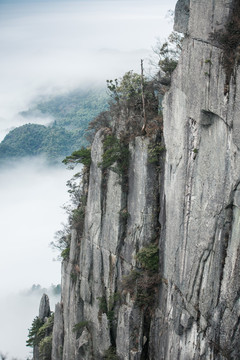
(153, 270)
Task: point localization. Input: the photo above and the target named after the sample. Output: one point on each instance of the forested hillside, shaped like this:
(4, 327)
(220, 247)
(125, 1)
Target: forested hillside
(71, 115)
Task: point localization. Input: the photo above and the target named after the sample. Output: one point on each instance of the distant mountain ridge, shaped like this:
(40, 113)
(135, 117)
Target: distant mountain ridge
(71, 112)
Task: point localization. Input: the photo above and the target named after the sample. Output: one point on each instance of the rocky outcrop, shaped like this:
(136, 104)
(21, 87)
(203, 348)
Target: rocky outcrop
(187, 202)
(199, 305)
(44, 315)
(120, 218)
(58, 333)
(44, 307)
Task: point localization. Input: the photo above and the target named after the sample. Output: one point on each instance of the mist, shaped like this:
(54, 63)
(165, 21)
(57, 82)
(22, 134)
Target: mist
(48, 48)
(18, 311)
(32, 194)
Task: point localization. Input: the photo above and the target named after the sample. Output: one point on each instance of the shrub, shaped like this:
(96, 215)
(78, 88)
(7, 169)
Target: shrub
(78, 217)
(103, 120)
(228, 40)
(149, 257)
(167, 55)
(115, 153)
(73, 276)
(65, 253)
(47, 327)
(62, 238)
(142, 283)
(127, 89)
(129, 281)
(45, 348)
(154, 151)
(124, 214)
(33, 336)
(110, 354)
(127, 92)
(107, 307)
(102, 303)
(142, 286)
(79, 327)
(81, 156)
(40, 331)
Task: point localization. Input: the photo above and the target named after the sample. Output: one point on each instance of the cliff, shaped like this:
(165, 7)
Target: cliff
(116, 304)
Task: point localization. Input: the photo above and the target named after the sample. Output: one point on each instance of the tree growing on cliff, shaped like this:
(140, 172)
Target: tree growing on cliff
(135, 95)
(166, 56)
(81, 156)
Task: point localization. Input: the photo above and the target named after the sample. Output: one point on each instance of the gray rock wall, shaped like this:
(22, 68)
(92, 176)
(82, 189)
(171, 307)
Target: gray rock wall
(201, 248)
(194, 212)
(105, 253)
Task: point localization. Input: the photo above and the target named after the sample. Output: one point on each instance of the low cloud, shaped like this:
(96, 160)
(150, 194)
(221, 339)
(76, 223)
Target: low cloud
(47, 48)
(54, 46)
(18, 309)
(32, 194)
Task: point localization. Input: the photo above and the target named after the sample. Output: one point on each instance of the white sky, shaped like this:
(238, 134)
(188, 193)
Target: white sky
(49, 47)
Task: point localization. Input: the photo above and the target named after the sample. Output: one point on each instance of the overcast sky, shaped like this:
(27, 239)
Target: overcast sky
(49, 47)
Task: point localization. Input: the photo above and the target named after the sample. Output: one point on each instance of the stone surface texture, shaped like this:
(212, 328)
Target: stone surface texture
(44, 307)
(200, 304)
(191, 205)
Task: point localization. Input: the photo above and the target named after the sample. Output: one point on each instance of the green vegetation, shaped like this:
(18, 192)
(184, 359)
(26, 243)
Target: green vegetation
(72, 113)
(33, 335)
(40, 334)
(102, 303)
(167, 55)
(107, 307)
(45, 348)
(127, 92)
(124, 214)
(80, 325)
(142, 283)
(78, 217)
(208, 61)
(65, 253)
(148, 257)
(82, 156)
(73, 276)
(33, 139)
(128, 89)
(62, 241)
(110, 354)
(78, 328)
(46, 327)
(115, 153)
(154, 151)
(228, 40)
(73, 110)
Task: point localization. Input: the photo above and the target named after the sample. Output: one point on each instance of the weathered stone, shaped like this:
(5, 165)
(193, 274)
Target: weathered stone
(181, 16)
(44, 308)
(201, 253)
(198, 208)
(58, 333)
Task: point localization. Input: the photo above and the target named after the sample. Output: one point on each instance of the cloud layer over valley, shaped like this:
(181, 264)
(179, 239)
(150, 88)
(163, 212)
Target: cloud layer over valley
(50, 47)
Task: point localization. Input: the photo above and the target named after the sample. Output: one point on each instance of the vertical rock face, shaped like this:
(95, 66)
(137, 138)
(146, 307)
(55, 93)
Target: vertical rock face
(58, 333)
(44, 308)
(44, 314)
(200, 304)
(191, 206)
(121, 216)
